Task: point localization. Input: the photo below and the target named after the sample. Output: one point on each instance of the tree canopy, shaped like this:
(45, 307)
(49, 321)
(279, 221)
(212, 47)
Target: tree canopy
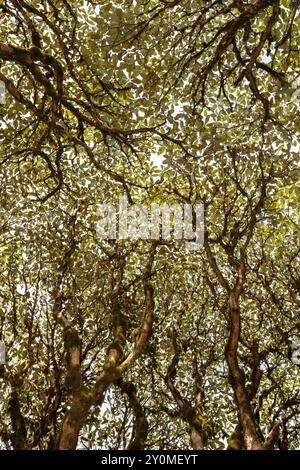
(144, 344)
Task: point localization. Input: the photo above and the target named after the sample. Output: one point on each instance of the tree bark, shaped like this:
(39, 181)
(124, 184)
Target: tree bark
(236, 374)
(73, 422)
(196, 439)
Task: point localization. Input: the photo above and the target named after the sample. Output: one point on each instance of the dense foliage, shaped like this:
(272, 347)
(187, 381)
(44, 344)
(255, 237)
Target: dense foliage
(144, 344)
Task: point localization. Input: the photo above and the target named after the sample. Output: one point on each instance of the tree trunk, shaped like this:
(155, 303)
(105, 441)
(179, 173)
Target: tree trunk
(73, 422)
(236, 375)
(196, 439)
